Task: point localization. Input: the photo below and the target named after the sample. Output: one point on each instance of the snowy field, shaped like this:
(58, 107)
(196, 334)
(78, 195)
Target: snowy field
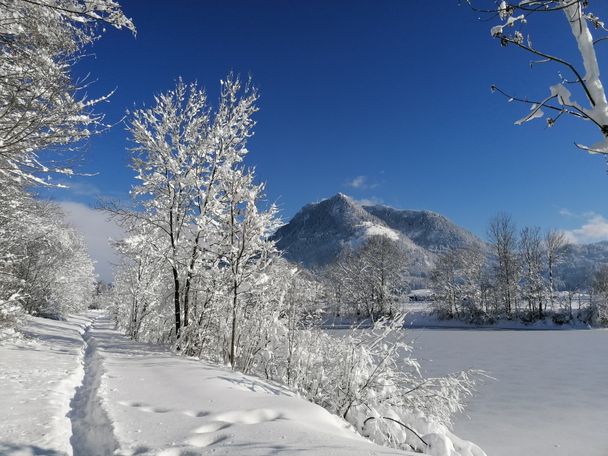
(550, 397)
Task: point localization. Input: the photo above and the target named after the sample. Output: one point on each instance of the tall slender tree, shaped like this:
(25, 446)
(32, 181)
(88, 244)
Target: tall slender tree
(555, 246)
(503, 238)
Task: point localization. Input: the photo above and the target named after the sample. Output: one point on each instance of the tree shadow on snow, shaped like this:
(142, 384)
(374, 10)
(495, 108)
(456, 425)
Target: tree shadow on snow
(19, 449)
(253, 385)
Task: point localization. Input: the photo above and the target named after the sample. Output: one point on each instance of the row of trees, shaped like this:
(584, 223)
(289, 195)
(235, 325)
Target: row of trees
(516, 278)
(599, 298)
(199, 271)
(44, 267)
(367, 281)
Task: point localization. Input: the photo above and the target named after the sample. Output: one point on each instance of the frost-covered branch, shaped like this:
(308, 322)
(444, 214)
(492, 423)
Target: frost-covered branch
(42, 107)
(514, 17)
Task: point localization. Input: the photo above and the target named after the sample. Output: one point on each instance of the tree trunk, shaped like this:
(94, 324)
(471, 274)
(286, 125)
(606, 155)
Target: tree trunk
(551, 281)
(178, 323)
(232, 338)
(189, 276)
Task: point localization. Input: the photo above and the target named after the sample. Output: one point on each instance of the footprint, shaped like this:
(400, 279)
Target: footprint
(250, 416)
(144, 407)
(194, 414)
(130, 403)
(205, 440)
(213, 426)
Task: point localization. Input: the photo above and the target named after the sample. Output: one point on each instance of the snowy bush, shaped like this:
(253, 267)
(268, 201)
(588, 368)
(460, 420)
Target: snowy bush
(376, 385)
(11, 316)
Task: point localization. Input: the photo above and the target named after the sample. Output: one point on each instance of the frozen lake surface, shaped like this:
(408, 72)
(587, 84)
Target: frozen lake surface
(550, 396)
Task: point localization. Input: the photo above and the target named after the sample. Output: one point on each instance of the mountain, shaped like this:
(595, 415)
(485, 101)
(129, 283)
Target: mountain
(320, 231)
(579, 263)
(427, 229)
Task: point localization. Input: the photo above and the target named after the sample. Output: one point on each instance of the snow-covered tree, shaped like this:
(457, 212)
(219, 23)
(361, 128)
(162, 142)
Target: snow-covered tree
(599, 304)
(457, 282)
(42, 105)
(45, 266)
(531, 254)
(370, 277)
(555, 245)
(139, 286)
(578, 90)
(503, 239)
(247, 250)
(183, 154)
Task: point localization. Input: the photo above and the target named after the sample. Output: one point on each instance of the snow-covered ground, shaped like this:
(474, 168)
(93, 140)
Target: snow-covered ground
(73, 387)
(84, 389)
(550, 396)
(38, 377)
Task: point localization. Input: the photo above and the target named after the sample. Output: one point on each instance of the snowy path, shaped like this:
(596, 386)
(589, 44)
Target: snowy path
(82, 388)
(550, 397)
(92, 431)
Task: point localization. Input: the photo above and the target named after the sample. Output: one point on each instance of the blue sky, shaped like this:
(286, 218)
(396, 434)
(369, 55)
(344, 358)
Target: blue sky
(387, 101)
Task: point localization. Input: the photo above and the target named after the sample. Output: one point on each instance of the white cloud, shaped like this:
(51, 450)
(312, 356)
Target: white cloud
(361, 183)
(564, 212)
(97, 231)
(81, 188)
(594, 229)
(358, 182)
(371, 201)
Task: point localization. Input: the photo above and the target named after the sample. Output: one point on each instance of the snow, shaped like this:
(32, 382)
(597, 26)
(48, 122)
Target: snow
(72, 384)
(372, 229)
(535, 113)
(163, 404)
(547, 393)
(510, 22)
(81, 388)
(549, 397)
(37, 380)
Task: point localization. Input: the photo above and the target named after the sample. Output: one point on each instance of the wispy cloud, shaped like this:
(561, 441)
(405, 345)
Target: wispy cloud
(83, 190)
(371, 201)
(361, 183)
(79, 188)
(593, 229)
(97, 231)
